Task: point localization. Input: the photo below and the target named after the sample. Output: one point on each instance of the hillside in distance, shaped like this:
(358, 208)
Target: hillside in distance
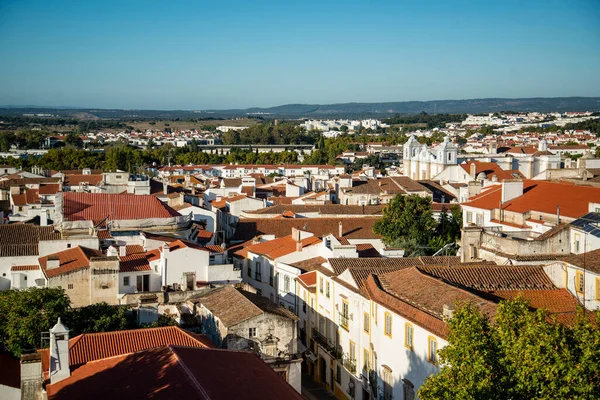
(324, 111)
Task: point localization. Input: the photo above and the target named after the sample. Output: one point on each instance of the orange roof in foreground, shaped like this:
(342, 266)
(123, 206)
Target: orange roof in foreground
(69, 260)
(542, 196)
(96, 346)
(174, 372)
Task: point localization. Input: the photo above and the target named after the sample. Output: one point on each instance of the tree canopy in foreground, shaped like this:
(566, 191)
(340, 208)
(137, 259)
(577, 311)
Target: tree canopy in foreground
(520, 355)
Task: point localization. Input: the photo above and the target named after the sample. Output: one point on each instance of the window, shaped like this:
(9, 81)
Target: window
(597, 288)
(286, 283)
(408, 335)
(352, 352)
(388, 324)
(125, 281)
(252, 332)
(432, 350)
(388, 383)
(117, 176)
(257, 273)
(249, 270)
(327, 289)
(344, 315)
(68, 245)
(366, 322)
(479, 219)
(20, 208)
(321, 285)
(408, 390)
(271, 275)
(469, 216)
(70, 286)
(366, 360)
(577, 243)
(579, 282)
(338, 374)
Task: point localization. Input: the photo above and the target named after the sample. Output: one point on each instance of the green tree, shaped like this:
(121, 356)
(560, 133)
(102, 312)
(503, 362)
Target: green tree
(28, 313)
(407, 219)
(74, 140)
(521, 355)
(99, 317)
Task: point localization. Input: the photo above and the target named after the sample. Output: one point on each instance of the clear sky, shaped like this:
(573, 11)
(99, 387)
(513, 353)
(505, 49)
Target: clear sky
(227, 54)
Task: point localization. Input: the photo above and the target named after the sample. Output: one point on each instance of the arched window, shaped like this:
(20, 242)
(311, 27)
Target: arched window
(408, 390)
(286, 283)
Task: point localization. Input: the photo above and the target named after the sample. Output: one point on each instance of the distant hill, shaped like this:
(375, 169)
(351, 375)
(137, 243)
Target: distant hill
(351, 110)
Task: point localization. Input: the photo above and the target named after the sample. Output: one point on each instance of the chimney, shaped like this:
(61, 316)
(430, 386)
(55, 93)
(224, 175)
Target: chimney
(340, 229)
(122, 251)
(511, 189)
(43, 219)
(112, 251)
(166, 247)
(447, 311)
(165, 188)
(31, 376)
(52, 262)
(59, 353)
(299, 246)
(473, 170)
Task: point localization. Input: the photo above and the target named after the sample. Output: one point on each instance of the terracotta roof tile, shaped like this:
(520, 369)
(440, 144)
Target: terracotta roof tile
(327, 209)
(96, 346)
(134, 262)
(280, 247)
(18, 240)
(69, 260)
(589, 260)
(352, 228)
(170, 372)
(98, 206)
(78, 179)
(24, 267)
(542, 196)
(492, 277)
(49, 189)
(308, 280)
(233, 306)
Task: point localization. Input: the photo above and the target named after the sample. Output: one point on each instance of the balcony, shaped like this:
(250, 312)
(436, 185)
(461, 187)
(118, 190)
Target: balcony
(344, 321)
(350, 364)
(319, 338)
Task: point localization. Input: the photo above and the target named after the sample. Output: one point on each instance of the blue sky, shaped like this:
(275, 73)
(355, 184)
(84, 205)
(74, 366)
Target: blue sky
(229, 54)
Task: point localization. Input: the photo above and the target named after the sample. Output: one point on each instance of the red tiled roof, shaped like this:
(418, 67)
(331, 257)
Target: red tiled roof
(96, 346)
(78, 179)
(280, 247)
(308, 279)
(542, 196)
(589, 260)
(134, 262)
(214, 248)
(49, 189)
(134, 249)
(33, 196)
(170, 372)
(24, 267)
(70, 260)
(104, 234)
(367, 250)
(98, 206)
(19, 199)
(521, 150)
(491, 169)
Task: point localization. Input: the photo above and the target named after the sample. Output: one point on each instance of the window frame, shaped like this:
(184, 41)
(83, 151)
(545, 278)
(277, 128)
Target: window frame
(321, 284)
(598, 289)
(327, 289)
(252, 332)
(408, 345)
(430, 340)
(126, 280)
(385, 324)
(258, 272)
(345, 315)
(579, 279)
(366, 323)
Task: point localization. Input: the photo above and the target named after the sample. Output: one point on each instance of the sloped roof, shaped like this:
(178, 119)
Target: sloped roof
(172, 372)
(98, 206)
(325, 209)
(18, 240)
(491, 169)
(78, 179)
(69, 260)
(542, 196)
(352, 228)
(89, 347)
(492, 277)
(589, 260)
(278, 247)
(233, 306)
(134, 262)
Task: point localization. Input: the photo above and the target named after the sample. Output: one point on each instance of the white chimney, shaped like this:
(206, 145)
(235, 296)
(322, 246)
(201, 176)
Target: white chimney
(447, 311)
(43, 218)
(52, 262)
(122, 251)
(511, 189)
(473, 170)
(112, 251)
(59, 353)
(340, 230)
(31, 376)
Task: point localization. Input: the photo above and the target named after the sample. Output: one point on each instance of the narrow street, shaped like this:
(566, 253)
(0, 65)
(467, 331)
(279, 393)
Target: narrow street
(312, 390)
